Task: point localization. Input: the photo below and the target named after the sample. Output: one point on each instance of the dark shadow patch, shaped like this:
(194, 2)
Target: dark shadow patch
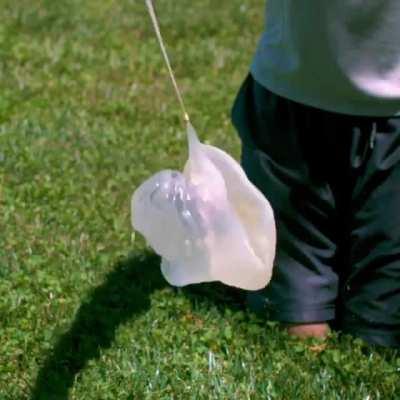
(215, 294)
(124, 294)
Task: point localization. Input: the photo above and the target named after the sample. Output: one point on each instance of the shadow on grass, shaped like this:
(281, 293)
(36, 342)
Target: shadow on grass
(215, 294)
(124, 294)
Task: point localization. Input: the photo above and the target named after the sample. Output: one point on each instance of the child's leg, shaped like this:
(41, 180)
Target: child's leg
(287, 155)
(370, 289)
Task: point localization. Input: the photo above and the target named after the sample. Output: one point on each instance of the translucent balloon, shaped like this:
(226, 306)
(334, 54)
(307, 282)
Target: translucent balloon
(209, 223)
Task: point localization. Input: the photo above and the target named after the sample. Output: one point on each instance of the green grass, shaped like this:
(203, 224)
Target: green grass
(86, 114)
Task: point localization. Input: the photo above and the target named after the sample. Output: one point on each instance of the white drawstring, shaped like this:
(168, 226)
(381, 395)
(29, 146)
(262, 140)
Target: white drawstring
(373, 135)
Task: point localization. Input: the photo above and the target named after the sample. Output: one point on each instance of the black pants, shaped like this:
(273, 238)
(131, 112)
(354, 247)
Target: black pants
(334, 183)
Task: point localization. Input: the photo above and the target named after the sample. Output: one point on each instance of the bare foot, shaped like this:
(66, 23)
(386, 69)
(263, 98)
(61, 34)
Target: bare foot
(318, 330)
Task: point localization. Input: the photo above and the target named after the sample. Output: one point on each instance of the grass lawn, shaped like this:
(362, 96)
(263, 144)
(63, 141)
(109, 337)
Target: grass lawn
(86, 114)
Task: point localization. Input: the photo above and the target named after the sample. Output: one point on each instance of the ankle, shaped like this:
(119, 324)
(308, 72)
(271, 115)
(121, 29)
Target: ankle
(309, 330)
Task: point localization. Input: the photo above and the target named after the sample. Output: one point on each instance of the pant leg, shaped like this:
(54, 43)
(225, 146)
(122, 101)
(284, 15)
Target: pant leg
(370, 286)
(278, 138)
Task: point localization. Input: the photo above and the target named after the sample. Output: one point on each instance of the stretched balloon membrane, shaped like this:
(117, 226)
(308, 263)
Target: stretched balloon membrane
(209, 223)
